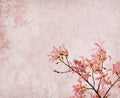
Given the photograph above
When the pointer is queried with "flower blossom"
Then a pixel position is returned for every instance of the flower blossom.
(105, 79)
(79, 90)
(118, 86)
(101, 92)
(81, 67)
(97, 59)
(100, 55)
(93, 96)
(58, 53)
(116, 68)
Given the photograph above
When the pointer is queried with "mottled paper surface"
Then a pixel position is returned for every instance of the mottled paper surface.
(26, 71)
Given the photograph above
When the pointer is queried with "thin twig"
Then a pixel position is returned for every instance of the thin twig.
(61, 72)
(99, 84)
(100, 80)
(93, 78)
(111, 87)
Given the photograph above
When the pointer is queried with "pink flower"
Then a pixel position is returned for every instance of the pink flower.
(96, 67)
(80, 66)
(100, 55)
(118, 86)
(79, 89)
(78, 96)
(58, 53)
(103, 91)
(93, 64)
(116, 68)
(105, 79)
(93, 96)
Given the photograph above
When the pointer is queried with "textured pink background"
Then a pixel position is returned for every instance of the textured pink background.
(75, 23)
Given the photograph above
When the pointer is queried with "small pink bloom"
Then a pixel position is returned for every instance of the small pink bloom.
(58, 52)
(116, 68)
(93, 96)
(100, 55)
(79, 89)
(118, 86)
(80, 65)
(78, 96)
(103, 91)
(105, 79)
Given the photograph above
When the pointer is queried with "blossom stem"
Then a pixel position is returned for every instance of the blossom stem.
(68, 65)
(61, 72)
(100, 80)
(111, 87)
(93, 78)
(99, 85)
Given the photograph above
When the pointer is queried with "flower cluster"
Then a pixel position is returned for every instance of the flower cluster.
(116, 68)
(58, 53)
(94, 76)
(79, 91)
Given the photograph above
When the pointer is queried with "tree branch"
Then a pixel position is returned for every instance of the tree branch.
(68, 65)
